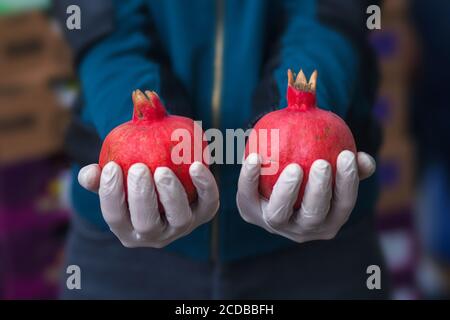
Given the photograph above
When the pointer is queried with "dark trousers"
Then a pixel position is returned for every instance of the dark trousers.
(334, 269)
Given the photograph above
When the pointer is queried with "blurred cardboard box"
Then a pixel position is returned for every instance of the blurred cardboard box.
(394, 9)
(397, 50)
(31, 51)
(396, 167)
(32, 123)
(392, 110)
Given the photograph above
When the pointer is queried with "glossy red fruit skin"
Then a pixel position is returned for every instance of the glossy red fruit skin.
(147, 139)
(306, 134)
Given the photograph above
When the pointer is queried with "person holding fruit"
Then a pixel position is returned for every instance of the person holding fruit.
(223, 231)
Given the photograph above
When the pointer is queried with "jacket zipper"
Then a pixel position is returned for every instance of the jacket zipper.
(216, 106)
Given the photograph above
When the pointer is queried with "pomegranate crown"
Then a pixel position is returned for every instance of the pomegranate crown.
(301, 94)
(147, 106)
(300, 82)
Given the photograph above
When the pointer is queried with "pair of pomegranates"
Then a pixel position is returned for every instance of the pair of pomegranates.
(306, 133)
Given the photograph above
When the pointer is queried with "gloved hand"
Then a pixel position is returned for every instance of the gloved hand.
(323, 211)
(141, 224)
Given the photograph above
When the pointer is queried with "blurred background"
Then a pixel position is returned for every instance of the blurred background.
(38, 89)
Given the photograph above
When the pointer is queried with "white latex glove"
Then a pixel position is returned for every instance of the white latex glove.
(323, 211)
(141, 224)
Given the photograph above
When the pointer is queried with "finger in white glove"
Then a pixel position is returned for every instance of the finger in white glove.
(345, 190)
(142, 201)
(174, 200)
(366, 165)
(279, 207)
(112, 200)
(89, 177)
(316, 200)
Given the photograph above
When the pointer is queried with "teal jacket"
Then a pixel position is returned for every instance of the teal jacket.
(238, 51)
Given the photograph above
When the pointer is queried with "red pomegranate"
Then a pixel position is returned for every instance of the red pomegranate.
(147, 139)
(306, 133)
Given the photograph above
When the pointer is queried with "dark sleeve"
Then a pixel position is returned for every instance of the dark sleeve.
(330, 36)
(115, 51)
